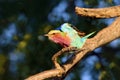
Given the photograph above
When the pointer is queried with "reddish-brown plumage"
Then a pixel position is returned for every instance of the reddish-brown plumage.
(61, 39)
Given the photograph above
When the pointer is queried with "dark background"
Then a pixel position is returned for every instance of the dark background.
(24, 50)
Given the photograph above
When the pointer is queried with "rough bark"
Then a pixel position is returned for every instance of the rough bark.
(99, 12)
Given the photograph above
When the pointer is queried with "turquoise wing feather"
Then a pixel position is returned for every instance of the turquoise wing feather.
(66, 27)
(76, 40)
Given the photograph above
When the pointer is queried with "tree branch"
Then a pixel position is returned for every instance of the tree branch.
(99, 12)
(103, 37)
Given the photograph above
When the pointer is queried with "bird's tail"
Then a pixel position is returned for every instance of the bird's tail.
(89, 34)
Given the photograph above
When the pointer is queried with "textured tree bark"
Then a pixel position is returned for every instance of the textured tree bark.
(99, 12)
(104, 36)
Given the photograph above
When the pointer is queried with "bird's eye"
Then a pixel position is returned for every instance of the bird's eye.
(53, 34)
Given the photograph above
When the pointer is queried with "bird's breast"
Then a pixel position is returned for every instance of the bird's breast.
(62, 40)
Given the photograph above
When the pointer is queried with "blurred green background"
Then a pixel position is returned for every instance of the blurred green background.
(24, 50)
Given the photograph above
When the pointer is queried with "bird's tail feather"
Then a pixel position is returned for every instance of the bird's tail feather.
(89, 34)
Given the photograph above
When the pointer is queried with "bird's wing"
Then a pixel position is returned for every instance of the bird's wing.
(80, 33)
(66, 27)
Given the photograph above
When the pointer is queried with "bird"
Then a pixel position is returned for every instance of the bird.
(67, 36)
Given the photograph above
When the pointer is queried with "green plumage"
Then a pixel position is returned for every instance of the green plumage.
(76, 40)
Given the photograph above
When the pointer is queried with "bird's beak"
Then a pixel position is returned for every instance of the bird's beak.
(46, 35)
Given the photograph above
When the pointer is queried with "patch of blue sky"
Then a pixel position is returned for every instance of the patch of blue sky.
(98, 50)
(15, 58)
(59, 12)
(70, 76)
(88, 66)
(102, 4)
(117, 2)
(79, 3)
(109, 21)
(86, 76)
(8, 33)
(115, 43)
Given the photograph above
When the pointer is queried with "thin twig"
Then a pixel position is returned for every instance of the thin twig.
(56, 55)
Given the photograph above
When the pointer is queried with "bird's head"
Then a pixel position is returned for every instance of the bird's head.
(53, 33)
(58, 37)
